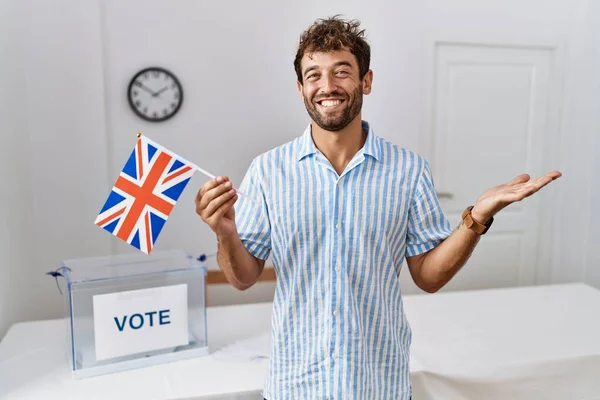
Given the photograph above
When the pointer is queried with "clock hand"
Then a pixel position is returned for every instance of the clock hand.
(147, 89)
(160, 91)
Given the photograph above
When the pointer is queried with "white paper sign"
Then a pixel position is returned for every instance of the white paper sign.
(140, 320)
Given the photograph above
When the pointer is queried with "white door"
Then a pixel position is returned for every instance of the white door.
(488, 122)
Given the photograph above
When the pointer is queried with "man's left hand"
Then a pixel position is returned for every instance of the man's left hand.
(495, 199)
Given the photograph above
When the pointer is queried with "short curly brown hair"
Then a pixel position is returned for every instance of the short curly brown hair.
(333, 34)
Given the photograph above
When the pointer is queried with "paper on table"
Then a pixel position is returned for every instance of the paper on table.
(250, 349)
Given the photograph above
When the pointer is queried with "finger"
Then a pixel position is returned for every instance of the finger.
(519, 179)
(549, 177)
(554, 175)
(206, 187)
(213, 193)
(218, 202)
(211, 184)
(523, 190)
(542, 181)
(225, 208)
(532, 187)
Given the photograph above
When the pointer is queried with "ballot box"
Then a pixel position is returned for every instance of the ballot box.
(135, 310)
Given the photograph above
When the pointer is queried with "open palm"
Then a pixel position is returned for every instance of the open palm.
(495, 199)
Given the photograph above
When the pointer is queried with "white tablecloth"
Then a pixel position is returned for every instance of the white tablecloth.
(520, 343)
(33, 365)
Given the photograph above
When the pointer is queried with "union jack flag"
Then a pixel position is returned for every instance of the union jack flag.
(144, 194)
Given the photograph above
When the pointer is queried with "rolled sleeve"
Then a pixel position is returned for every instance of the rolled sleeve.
(427, 224)
(251, 214)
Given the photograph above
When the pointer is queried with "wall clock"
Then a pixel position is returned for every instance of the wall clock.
(155, 94)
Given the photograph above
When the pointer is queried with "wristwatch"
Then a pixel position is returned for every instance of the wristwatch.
(473, 225)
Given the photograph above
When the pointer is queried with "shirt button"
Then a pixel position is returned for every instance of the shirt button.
(337, 268)
(337, 226)
(335, 356)
(335, 313)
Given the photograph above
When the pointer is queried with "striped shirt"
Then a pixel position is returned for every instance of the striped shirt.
(338, 243)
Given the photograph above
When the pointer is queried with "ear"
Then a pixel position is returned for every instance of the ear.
(368, 82)
(300, 87)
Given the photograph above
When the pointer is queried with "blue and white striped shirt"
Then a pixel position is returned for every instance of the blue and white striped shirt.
(338, 243)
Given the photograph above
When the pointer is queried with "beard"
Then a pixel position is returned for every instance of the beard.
(337, 121)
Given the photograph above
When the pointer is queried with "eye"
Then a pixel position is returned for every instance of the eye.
(312, 76)
(342, 72)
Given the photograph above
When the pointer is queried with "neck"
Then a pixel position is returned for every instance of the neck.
(341, 146)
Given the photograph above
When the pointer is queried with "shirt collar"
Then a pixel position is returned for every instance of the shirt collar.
(371, 147)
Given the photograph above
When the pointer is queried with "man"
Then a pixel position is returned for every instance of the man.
(339, 209)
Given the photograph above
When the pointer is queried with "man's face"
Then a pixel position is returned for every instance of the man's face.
(332, 90)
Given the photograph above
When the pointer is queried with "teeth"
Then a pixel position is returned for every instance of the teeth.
(330, 103)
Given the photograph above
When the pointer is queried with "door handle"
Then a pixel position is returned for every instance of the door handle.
(444, 195)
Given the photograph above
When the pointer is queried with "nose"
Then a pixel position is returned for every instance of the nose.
(327, 84)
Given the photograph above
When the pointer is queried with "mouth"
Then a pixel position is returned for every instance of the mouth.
(330, 104)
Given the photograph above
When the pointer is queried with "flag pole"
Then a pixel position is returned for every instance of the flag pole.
(211, 176)
(178, 156)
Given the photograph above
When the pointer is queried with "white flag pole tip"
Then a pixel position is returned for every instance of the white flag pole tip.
(211, 176)
(205, 172)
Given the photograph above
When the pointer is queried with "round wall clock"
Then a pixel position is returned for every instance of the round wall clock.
(155, 94)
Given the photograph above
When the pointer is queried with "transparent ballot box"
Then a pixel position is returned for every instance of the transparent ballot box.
(135, 310)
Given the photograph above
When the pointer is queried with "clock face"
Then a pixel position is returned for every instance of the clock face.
(155, 94)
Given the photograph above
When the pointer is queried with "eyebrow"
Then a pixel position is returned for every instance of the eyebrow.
(337, 64)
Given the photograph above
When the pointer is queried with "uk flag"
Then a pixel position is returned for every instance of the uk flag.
(144, 194)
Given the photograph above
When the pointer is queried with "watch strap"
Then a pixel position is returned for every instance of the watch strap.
(474, 225)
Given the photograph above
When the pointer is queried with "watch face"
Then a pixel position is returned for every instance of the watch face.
(155, 94)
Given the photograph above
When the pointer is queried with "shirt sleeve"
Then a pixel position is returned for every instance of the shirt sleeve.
(251, 214)
(427, 224)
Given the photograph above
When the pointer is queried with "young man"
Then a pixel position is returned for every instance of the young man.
(340, 209)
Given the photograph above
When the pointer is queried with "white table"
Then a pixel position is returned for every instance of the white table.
(33, 364)
(519, 343)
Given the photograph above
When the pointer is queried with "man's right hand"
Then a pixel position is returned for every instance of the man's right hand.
(214, 204)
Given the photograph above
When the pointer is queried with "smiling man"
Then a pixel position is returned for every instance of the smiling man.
(339, 209)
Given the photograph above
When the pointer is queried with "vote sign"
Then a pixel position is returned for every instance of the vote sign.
(138, 321)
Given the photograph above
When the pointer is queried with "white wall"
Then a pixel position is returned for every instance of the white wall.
(593, 232)
(241, 88)
(15, 198)
(55, 139)
(69, 127)
(578, 160)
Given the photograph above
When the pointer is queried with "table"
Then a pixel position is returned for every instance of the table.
(520, 343)
(33, 364)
